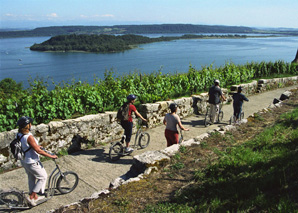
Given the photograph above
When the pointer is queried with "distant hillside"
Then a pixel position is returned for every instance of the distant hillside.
(126, 29)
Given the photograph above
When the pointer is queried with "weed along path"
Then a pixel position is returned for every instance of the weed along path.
(96, 171)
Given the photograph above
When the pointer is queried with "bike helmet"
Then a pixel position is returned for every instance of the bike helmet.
(24, 121)
(131, 97)
(216, 81)
(173, 106)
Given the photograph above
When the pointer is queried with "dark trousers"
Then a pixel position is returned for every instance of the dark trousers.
(237, 110)
(127, 126)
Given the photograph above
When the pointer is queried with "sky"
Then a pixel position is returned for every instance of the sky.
(250, 13)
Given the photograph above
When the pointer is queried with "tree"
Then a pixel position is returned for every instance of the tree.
(9, 86)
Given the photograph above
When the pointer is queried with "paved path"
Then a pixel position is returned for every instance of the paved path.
(96, 171)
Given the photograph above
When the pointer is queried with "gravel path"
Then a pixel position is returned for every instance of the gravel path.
(96, 171)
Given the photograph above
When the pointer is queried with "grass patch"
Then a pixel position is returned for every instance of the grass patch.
(258, 175)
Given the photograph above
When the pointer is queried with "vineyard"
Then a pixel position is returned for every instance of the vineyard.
(68, 100)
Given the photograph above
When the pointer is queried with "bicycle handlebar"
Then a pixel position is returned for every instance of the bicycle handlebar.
(47, 151)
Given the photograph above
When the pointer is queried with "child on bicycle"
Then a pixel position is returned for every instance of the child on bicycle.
(238, 102)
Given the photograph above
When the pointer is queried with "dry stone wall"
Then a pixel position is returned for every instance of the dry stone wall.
(75, 134)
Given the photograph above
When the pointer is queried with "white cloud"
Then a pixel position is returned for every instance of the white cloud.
(52, 15)
(108, 15)
(9, 15)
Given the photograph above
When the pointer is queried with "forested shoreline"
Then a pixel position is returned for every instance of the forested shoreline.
(109, 43)
(141, 29)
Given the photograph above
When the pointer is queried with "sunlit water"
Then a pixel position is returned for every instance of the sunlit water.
(19, 63)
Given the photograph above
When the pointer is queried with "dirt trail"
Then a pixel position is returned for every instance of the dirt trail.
(96, 171)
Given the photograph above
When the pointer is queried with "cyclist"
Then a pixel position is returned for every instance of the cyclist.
(128, 124)
(215, 94)
(238, 102)
(37, 175)
(171, 121)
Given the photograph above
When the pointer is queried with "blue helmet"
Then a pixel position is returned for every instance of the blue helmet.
(24, 121)
(131, 97)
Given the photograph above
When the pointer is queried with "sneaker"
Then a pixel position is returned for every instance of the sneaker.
(128, 149)
(40, 198)
(32, 202)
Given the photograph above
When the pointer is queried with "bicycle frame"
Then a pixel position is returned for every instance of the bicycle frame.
(181, 137)
(139, 132)
(53, 178)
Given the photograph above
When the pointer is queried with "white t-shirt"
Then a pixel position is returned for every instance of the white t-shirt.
(172, 121)
(30, 156)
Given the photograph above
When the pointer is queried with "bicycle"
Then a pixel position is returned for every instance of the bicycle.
(181, 137)
(64, 182)
(207, 120)
(233, 119)
(142, 139)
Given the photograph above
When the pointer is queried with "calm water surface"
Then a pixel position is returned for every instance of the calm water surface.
(19, 63)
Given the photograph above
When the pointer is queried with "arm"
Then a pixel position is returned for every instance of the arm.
(139, 115)
(245, 98)
(221, 94)
(38, 149)
(164, 121)
(223, 97)
(182, 127)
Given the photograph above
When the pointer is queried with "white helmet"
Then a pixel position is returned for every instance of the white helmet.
(216, 81)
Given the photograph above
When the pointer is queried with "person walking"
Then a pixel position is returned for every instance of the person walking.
(171, 120)
(215, 94)
(36, 173)
(127, 125)
(238, 99)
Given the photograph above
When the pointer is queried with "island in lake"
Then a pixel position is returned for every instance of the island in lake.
(108, 43)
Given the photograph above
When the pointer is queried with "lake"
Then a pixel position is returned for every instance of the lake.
(18, 62)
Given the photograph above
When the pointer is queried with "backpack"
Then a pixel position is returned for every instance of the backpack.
(122, 113)
(16, 148)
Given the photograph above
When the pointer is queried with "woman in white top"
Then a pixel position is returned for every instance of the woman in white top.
(37, 175)
(171, 121)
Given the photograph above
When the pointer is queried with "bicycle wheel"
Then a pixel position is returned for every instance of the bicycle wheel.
(220, 116)
(242, 115)
(68, 182)
(206, 123)
(232, 120)
(144, 140)
(12, 198)
(115, 151)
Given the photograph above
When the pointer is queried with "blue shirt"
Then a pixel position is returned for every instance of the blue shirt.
(238, 99)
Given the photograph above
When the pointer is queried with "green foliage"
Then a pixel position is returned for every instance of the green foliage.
(9, 87)
(108, 94)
